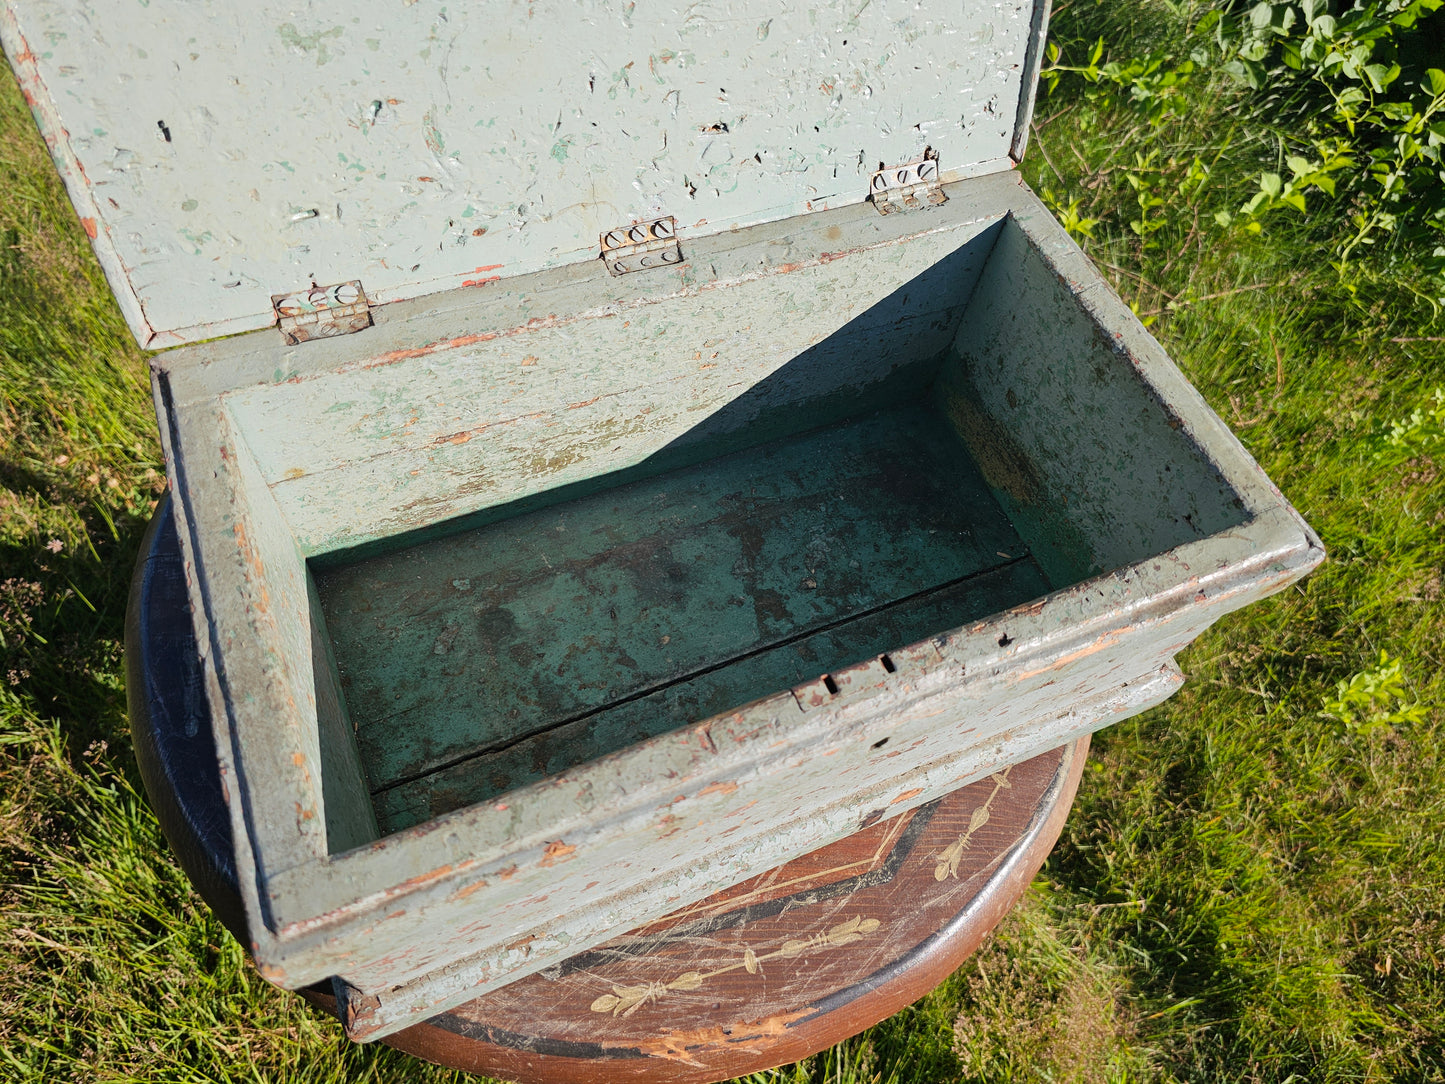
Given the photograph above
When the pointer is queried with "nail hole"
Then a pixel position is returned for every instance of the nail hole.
(830, 684)
(880, 743)
(888, 664)
(1005, 640)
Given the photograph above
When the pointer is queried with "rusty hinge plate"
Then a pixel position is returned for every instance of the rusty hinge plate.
(321, 312)
(907, 187)
(641, 247)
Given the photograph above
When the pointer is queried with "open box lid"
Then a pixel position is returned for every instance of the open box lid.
(219, 155)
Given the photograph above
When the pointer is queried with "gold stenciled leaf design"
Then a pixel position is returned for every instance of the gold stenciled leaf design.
(626, 1000)
(846, 932)
(842, 934)
(947, 861)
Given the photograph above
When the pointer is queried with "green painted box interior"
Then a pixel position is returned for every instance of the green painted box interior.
(508, 652)
(802, 525)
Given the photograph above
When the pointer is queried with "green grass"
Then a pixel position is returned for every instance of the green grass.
(1251, 885)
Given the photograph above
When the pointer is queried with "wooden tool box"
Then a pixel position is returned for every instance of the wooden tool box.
(618, 448)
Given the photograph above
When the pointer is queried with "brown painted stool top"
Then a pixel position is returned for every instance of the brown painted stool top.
(782, 965)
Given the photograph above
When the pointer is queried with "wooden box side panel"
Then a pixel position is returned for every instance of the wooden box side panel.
(301, 654)
(345, 795)
(302, 790)
(1094, 471)
(942, 742)
(487, 419)
(248, 600)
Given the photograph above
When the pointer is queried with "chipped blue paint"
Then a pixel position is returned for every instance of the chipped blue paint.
(557, 397)
(635, 92)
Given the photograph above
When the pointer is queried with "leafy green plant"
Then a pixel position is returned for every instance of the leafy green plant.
(1079, 226)
(1374, 699)
(1305, 174)
(1393, 127)
(1151, 82)
(1143, 178)
(1422, 431)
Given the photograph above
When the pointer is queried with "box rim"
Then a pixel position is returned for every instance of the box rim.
(1277, 544)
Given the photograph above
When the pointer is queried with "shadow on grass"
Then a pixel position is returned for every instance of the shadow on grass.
(62, 616)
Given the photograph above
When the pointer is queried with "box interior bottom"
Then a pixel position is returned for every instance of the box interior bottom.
(493, 657)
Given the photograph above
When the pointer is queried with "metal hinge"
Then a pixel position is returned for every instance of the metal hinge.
(641, 247)
(321, 312)
(907, 187)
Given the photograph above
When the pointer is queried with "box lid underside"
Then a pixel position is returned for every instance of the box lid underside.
(219, 154)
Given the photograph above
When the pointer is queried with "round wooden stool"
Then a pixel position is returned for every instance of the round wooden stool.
(763, 973)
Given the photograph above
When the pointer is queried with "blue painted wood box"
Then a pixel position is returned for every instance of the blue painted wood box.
(618, 448)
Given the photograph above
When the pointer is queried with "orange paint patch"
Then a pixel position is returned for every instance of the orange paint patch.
(460, 341)
(466, 890)
(483, 271)
(90, 230)
(753, 1038)
(722, 787)
(508, 873)
(907, 794)
(426, 878)
(557, 851)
